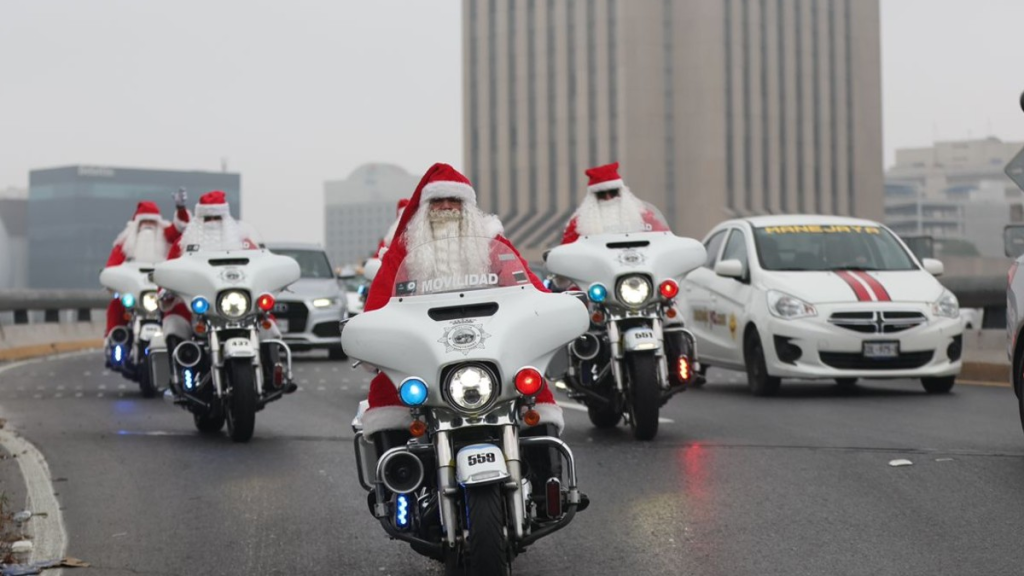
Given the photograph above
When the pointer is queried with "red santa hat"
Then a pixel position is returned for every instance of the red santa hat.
(604, 178)
(213, 203)
(401, 206)
(443, 181)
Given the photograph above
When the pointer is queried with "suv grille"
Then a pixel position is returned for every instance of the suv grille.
(295, 312)
(877, 322)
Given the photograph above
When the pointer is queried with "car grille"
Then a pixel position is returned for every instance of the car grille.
(327, 329)
(295, 312)
(888, 322)
(857, 361)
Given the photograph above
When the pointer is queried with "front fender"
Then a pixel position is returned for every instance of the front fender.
(479, 464)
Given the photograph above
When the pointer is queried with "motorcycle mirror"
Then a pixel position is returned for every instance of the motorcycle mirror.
(548, 251)
(1022, 101)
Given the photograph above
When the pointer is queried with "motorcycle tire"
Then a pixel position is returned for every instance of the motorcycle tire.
(146, 385)
(211, 422)
(242, 402)
(642, 369)
(487, 551)
(603, 415)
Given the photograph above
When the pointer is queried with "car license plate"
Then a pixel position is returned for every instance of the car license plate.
(881, 349)
(282, 324)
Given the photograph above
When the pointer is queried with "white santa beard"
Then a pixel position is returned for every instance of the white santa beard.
(213, 236)
(452, 248)
(616, 216)
(145, 245)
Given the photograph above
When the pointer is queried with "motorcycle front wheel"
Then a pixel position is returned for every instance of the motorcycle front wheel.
(242, 403)
(486, 546)
(645, 394)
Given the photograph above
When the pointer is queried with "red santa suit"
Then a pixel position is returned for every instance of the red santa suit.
(386, 411)
(201, 235)
(624, 214)
(146, 238)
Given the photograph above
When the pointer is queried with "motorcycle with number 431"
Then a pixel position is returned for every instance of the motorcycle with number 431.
(127, 348)
(468, 485)
(227, 371)
(636, 354)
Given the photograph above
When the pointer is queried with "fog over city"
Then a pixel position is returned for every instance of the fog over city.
(293, 94)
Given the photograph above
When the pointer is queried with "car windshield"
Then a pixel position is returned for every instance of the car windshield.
(312, 263)
(459, 265)
(807, 247)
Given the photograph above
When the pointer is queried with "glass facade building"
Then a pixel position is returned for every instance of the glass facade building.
(75, 213)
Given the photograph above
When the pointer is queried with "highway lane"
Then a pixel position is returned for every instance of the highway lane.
(798, 484)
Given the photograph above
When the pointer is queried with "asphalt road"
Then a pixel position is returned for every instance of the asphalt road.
(733, 485)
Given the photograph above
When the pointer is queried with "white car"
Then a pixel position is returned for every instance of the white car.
(821, 297)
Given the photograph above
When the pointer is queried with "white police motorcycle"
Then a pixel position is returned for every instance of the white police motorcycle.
(226, 371)
(127, 346)
(465, 485)
(636, 354)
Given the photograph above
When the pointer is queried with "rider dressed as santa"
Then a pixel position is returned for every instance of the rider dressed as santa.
(442, 207)
(211, 229)
(146, 238)
(610, 208)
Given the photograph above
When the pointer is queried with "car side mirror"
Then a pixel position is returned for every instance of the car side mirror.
(1013, 240)
(729, 269)
(933, 266)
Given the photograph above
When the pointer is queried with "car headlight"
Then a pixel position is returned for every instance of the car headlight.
(324, 302)
(634, 290)
(233, 303)
(789, 307)
(150, 302)
(947, 306)
(471, 387)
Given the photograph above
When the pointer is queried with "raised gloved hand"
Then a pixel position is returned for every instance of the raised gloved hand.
(180, 197)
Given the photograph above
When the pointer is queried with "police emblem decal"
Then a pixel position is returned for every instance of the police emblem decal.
(463, 338)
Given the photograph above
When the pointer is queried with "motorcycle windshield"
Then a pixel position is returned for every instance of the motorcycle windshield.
(459, 264)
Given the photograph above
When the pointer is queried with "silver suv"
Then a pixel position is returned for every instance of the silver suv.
(310, 311)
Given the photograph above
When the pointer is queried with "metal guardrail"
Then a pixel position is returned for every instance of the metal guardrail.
(52, 302)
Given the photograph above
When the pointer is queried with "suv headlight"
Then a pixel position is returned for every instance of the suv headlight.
(233, 303)
(947, 306)
(634, 290)
(324, 302)
(783, 305)
(150, 303)
(471, 387)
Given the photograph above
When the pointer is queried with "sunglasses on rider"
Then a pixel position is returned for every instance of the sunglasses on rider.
(607, 194)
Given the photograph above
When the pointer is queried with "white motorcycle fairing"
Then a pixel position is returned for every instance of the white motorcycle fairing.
(207, 274)
(527, 329)
(129, 278)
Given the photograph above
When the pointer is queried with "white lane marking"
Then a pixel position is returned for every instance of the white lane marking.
(582, 408)
(320, 388)
(58, 395)
(152, 433)
(103, 386)
(37, 396)
(78, 394)
(86, 373)
(61, 387)
(100, 395)
(47, 524)
(344, 387)
(122, 386)
(345, 380)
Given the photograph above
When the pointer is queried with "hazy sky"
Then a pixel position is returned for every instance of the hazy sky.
(295, 93)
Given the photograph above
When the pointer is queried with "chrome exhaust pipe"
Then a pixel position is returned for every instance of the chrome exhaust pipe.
(400, 471)
(188, 354)
(586, 347)
(119, 335)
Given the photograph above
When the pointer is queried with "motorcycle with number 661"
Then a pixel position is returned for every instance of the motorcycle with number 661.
(637, 354)
(128, 345)
(471, 487)
(226, 370)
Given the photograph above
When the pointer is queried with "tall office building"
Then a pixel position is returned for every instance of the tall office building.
(359, 209)
(715, 108)
(13, 239)
(76, 212)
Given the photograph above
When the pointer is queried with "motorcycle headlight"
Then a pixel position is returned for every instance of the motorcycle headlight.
(789, 307)
(471, 387)
(324, 302)
(233, 303)
(150, 303)
(634, 290)
(947, 306)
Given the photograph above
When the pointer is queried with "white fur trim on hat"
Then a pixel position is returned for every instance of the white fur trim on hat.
(448, 189)
(204, 210)
(386, 418)
(551, 413)
(609, 185)
(493, 226)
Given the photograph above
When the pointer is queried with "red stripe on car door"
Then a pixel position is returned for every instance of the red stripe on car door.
(856, 286)
(876, 286)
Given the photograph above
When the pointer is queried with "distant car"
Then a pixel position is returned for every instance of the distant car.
(1013, 238)
(310, 311)
(973, 318)
(821, 297)
(356, 287)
